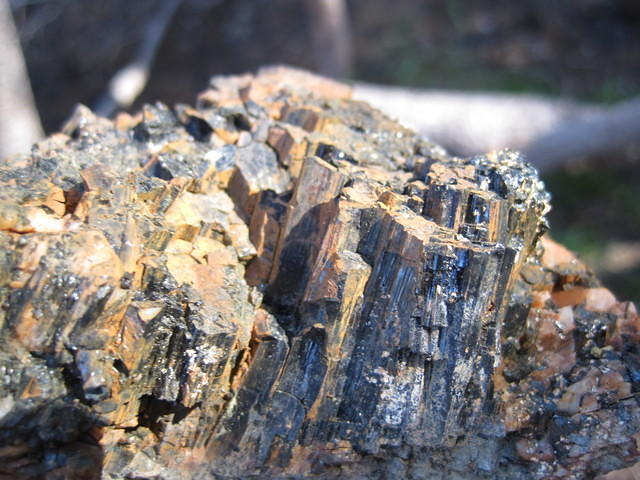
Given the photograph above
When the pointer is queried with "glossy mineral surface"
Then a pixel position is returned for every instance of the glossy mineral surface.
(281, 282)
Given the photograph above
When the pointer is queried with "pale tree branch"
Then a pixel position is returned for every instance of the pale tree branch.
(609, 131)
(19, 120)
(129, 82)
(331, 37)
(549, 131)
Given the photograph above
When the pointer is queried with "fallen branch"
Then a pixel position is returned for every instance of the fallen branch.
(549, 131)
(610, 130)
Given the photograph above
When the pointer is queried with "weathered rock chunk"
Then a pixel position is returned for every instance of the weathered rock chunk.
(283, 282)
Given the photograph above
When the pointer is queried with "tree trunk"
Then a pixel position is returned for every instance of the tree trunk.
(19, 121)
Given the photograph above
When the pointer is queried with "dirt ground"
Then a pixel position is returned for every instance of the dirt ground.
(585, 49)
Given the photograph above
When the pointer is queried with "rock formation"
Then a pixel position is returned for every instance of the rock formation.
(283, 283)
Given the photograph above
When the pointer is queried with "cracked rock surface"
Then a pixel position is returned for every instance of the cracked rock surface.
(281, 282)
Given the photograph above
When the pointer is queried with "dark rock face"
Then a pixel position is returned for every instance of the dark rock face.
(283, 282)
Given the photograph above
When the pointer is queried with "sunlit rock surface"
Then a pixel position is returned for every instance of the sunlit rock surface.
(280, 283)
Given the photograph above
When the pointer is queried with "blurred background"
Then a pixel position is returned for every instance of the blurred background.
(557, 80)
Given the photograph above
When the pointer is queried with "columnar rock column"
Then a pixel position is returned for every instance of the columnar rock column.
(283, 282)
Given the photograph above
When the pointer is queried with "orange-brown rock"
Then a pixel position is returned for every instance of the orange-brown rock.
(284, 283)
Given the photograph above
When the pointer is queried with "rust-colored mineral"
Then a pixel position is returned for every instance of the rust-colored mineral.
(281, 282)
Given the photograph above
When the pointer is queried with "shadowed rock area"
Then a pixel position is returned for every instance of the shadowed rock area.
(281, 282)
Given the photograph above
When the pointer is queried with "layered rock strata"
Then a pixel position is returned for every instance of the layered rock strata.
(281, 282)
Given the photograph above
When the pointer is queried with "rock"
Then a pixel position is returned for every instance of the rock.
(282, 283)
